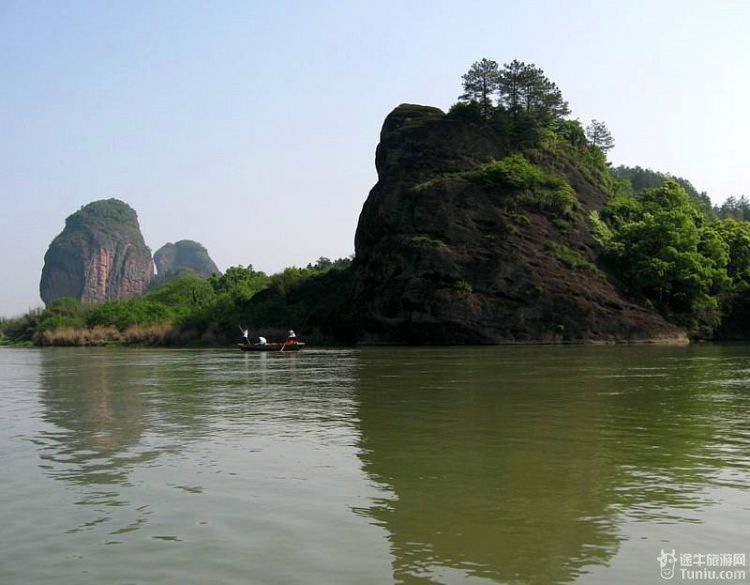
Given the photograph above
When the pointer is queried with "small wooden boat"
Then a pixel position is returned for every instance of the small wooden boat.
(271, 346)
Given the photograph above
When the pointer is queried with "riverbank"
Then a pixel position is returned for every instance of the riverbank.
(191, 311)
(160, 336)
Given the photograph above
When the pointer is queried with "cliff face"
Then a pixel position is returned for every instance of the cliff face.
(442, 257)
(184, 257)
(99, 255)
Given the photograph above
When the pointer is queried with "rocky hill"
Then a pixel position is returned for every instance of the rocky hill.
(453, 248)
(184, 257)
(100, 255)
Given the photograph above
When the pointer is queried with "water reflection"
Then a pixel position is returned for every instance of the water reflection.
(519, 465)
(111, 412)
(515, 465)
(124, 424)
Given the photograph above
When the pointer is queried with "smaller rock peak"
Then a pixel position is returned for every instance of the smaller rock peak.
(184, 257)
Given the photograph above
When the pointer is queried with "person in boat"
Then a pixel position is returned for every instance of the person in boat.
(245, 335)
(262, 340)
(291, 338)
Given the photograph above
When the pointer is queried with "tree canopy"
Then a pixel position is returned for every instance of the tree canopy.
(523, 86)
(634, 180)
(480, 85)
(518, 87)
(663, 248)
(737, 208)
(599, 135)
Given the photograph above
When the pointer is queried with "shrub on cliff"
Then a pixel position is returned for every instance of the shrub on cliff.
(530, 184)
(514, 172)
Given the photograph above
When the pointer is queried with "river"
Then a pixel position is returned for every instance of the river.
(546, 464)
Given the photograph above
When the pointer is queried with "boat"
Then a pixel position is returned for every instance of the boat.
(271, 346)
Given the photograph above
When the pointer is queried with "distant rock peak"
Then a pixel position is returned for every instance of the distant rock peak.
(184, 257)
(100, 255)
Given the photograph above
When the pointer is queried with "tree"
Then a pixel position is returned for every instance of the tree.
(737, 208)
(636, 179)
(661, 250)
(523, 87)
(600, 136)
(512, 78)
(736, 234)
(242, 283)
(480, 84)
(572, 131)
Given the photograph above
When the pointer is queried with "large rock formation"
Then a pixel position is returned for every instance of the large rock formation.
(184, 257)
(442, 257)
(99, 255)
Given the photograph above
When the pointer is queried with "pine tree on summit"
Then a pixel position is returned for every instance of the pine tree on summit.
(480, 85)
(520, 88)
(524, 87)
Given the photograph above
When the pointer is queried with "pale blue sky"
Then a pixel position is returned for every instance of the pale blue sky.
(251, 127)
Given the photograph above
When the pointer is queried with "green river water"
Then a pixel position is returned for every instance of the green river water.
(395, 465)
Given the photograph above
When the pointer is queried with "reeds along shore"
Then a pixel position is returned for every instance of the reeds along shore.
(153, 335)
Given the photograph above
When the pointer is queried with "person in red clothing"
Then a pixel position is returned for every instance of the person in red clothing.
(291, 338)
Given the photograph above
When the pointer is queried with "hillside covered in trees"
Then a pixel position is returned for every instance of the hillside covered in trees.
(499, 221)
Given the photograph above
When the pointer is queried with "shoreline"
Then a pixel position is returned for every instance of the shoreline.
(657, 342)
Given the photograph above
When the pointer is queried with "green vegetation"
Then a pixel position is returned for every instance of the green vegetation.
(19, 330)
(420, 241)
(563, 225)
(316, 300)
(634, 180)
(514, 172)
(527, 111)
(111, 210)
(600, 136)
(183, 257)
(530, 184)
(571, 258)
(480, 83)
(664, 248)
(523, 106)
(463, 288)
(520, 219)
(734, 208)
(97, 216)
(660, 237)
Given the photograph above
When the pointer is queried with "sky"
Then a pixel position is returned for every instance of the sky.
(251, 127)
